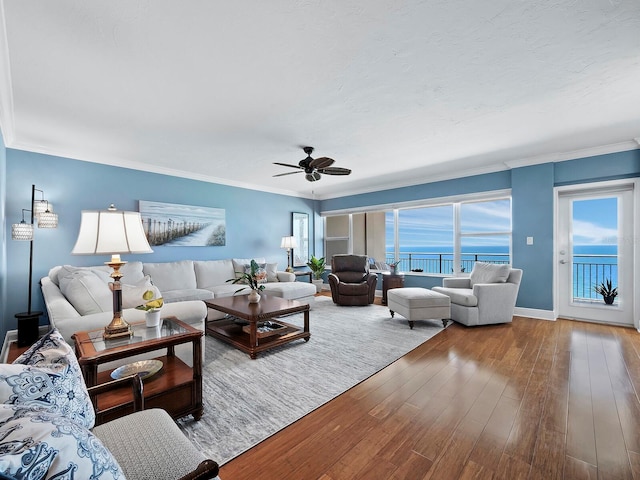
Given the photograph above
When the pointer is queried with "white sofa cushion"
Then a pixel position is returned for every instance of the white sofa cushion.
(131, 272)
(85, 290)
(187, 294)
(210, 273)
(489, 273)
(240, 263)
(172, 275)
(272, 272)
(459, 296)
(132, 294)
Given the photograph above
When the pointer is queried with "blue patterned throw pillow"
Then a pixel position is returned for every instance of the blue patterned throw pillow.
(48, 377)
(36, 444)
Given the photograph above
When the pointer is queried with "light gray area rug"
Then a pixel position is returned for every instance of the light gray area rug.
(246, 401)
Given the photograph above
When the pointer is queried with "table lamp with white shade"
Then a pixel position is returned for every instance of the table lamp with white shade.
(112, 232)
(289, 243)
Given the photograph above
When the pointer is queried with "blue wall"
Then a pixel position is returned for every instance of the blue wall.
(532, 211)
(3, 234)
(255, 221)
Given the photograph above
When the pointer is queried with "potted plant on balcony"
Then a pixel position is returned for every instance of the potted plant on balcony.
(253, 278)
(607, 291)
(317, 266)
(152, 307)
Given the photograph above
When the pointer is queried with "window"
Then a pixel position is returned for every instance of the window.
(449, 238)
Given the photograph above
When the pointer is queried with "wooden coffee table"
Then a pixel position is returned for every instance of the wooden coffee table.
(176, 388)
(244, 325)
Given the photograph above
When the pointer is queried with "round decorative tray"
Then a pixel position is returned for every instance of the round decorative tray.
(144, 368)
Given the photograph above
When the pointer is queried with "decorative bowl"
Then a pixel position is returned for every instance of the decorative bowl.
(145, 368)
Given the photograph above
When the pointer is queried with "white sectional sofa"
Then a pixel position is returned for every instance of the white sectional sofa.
(78, 298)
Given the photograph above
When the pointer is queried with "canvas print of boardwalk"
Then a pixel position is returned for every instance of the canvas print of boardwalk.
(174, 225)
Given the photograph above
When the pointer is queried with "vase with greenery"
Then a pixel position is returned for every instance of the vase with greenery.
(317, 266)
(152, 307)
(393, 266)
(608, 292)
(252, 279)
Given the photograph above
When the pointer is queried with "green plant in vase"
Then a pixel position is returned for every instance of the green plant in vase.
(253, 279)
(608, 292)
(317, 266)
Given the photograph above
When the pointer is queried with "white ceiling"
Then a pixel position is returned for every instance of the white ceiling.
(401, 92)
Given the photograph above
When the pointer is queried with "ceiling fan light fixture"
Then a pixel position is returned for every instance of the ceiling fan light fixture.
(312, 177)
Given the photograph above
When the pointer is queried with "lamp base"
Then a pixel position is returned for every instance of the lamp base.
(289, 269)
(118, 328)
(28, 327)
(117, 333)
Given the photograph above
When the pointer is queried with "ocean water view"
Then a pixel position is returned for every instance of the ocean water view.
(592, 264)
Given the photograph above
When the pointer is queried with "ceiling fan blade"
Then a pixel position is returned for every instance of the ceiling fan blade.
(288, 173)
(287, 165)
(335, 171)
(321, 162)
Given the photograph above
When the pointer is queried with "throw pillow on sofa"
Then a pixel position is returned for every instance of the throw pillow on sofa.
(47, 376)
(37, 444)
(272, 272)
(132, 294)
(85, 290)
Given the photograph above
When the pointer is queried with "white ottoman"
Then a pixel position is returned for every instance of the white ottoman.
(419, 304)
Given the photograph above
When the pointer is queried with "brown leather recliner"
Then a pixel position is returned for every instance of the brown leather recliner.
(350, 280)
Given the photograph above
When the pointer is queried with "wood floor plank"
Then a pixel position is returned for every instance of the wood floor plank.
(532, 399)
(581, 441)
(575, 469)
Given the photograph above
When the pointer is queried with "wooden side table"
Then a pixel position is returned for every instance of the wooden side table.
(304, 273)
(176, 388)
(389, 281)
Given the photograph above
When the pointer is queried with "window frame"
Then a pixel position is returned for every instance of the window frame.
(457, 201)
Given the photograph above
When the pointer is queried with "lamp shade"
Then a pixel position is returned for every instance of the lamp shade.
(106, 232)
(41, 206)
(47, 219)
(288, 242)
(22, 231)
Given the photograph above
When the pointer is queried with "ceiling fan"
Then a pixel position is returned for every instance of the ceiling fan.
(313, 167)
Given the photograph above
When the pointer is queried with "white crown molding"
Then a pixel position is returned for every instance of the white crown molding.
(6, 89)
(637, 140)
(415, 180)
(144, 167)
(574, 154)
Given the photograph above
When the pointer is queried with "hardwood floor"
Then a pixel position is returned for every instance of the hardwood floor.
(529, 400)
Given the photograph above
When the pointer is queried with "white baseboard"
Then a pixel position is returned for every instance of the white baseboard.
(535, 313)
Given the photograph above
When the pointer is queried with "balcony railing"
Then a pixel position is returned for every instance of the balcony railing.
(587, 273)
(443, 262)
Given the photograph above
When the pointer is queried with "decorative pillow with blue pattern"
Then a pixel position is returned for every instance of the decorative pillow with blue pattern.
(36, 444)
(48, 376)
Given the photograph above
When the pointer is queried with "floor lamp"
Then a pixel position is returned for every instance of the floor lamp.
(41, 211)
(112, 232)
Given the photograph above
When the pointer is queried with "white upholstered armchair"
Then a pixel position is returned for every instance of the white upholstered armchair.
(487, 296)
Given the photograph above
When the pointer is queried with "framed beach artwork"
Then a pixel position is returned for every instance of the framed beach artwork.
(175, 225)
